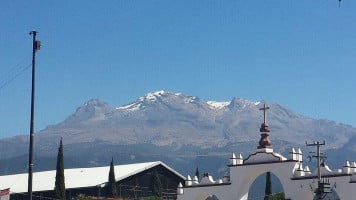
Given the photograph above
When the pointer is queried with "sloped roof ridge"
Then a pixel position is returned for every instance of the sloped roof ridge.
(77, 177)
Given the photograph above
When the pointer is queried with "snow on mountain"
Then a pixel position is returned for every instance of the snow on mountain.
(130, 107)
(168, 97)
(153, 96)
(158, 97)
(217, 105)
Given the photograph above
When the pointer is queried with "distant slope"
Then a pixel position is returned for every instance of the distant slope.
(346, 152)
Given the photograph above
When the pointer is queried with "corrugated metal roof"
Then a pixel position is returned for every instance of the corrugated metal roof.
(75, 178)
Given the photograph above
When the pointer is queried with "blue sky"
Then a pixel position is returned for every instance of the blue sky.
(300, 54)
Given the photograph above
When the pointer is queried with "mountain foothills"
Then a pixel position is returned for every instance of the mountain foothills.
(183, 131)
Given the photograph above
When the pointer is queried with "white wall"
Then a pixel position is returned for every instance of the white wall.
(242, 177)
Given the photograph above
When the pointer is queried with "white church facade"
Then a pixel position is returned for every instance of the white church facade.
(298, 182)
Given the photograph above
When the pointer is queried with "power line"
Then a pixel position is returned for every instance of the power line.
(11, 77)
(14, 72)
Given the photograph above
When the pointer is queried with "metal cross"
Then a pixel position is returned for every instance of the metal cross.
(265, 108)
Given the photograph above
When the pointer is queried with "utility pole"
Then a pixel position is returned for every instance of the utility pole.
(323, 184)
(35, 46)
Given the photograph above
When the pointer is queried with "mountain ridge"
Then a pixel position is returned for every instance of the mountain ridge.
(160, 108)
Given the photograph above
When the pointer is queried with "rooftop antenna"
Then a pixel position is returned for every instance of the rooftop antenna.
(35, 46)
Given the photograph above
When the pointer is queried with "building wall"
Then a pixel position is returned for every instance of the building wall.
(139, 184)
(242, 176)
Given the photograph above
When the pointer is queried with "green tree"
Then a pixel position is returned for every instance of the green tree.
(156, 185)
(278, 196)
(197, 173)
(60, 188)
(268, 188)
(153, 198)
(111, 187)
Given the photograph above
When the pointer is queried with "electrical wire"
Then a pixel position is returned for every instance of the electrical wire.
(11, 78)
(13, 73)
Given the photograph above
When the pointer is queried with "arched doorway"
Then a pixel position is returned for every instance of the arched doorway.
(212, 197)
(258, 187)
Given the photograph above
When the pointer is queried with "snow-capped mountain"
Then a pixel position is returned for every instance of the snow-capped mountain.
(163, 119)
(167, 118)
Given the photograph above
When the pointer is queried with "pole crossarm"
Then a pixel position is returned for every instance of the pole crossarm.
(323, 184)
